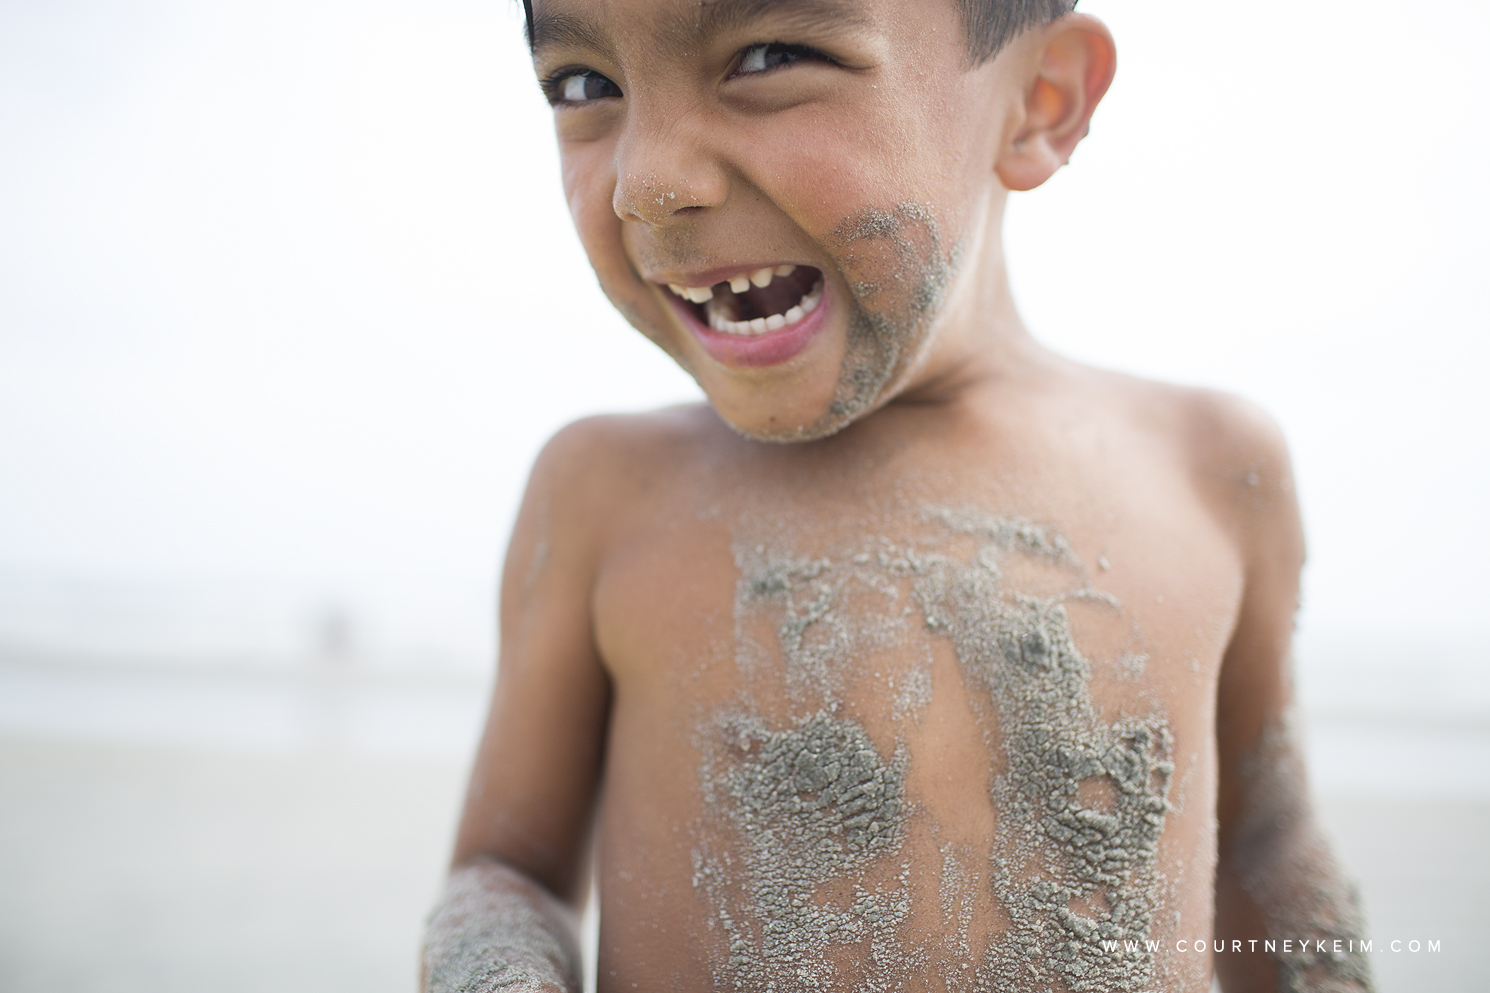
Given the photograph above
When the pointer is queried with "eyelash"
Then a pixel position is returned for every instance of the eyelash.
(794, 53)
(557, 82)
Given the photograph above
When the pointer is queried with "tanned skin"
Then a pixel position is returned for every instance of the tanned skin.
(617, 623)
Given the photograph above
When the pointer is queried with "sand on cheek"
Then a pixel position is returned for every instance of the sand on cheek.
(897, 271)
(805, 850)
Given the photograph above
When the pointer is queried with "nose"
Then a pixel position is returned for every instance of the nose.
(665, 170)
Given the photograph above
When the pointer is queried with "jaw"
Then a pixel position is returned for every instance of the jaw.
(780, 413)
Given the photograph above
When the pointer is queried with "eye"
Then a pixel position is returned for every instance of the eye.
(572, 86)
(760, 58)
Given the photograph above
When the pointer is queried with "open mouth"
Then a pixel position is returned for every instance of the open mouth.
(756, 303)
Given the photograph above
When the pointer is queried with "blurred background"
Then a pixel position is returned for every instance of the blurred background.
(289, 300)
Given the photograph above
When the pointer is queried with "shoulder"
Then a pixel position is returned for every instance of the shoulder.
(593, 470)
(1239, 462)
(1232, 452)
(1206, 423)
(615, 447)
(588, 487)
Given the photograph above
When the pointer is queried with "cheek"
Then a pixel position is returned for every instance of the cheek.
(893, 258)
(589, 188)
(872, 194)
(827, 176)
(877, 216)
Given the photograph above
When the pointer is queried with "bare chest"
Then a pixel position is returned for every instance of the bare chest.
(899, 717)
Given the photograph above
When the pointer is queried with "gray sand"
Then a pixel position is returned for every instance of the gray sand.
(884, 254)
(815, 808)
(1288, 870)
(497, 932)
(311, 872)
(1055, 851)
(812, 803)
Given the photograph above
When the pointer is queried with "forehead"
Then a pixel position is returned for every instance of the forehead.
(684, 26)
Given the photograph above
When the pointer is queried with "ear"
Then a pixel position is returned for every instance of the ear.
(1073, 64)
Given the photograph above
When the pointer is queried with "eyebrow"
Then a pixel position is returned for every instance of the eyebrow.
(709, 18)
(562, 30)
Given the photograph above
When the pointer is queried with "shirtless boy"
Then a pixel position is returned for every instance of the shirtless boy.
(920, 658)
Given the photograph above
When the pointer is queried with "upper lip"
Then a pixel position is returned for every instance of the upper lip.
(713, 277)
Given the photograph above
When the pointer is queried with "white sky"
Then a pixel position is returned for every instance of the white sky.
(288, 295)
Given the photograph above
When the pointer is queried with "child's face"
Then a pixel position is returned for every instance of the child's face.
(809, 175)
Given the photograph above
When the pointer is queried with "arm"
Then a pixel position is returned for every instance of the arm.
(496, 929)
(506, 920)
(1276, 879)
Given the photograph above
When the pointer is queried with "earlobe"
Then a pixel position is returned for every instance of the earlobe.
(1071, 69)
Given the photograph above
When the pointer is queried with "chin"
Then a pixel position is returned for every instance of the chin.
(875, 364)
(834, 417)
(778, 435)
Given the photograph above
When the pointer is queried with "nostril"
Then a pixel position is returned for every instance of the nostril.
(656, 212)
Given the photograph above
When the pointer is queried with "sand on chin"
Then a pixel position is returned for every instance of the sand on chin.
(898, 274)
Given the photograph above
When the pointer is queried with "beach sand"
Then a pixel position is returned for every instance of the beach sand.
(145, 868)
(168, 868)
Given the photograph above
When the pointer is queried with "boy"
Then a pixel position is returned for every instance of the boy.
(921, 658)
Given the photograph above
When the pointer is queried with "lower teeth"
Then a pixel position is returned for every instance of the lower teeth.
(761, 325)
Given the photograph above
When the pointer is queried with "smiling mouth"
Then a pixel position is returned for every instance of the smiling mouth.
(755, 303)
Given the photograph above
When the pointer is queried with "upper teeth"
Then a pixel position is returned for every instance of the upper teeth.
(761, 325)
(698, 294)
(737, 284)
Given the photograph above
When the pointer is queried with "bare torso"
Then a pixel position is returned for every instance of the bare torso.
(915, 712)
(927, 705)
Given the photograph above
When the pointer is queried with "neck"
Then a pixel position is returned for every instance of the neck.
(979, 335)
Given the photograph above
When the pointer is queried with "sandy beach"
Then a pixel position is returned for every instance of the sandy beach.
(300, 861)
(161, 869)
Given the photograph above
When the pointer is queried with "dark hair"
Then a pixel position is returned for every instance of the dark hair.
(990, 24)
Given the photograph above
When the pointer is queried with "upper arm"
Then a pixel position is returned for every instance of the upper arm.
(1245, 472)
(537, 770)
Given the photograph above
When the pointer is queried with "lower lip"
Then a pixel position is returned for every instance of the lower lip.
(753, 351)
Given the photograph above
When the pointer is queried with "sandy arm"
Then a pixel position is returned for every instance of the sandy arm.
(506, 919)
(1277, 880)
(495, 929)
(1278, 875)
